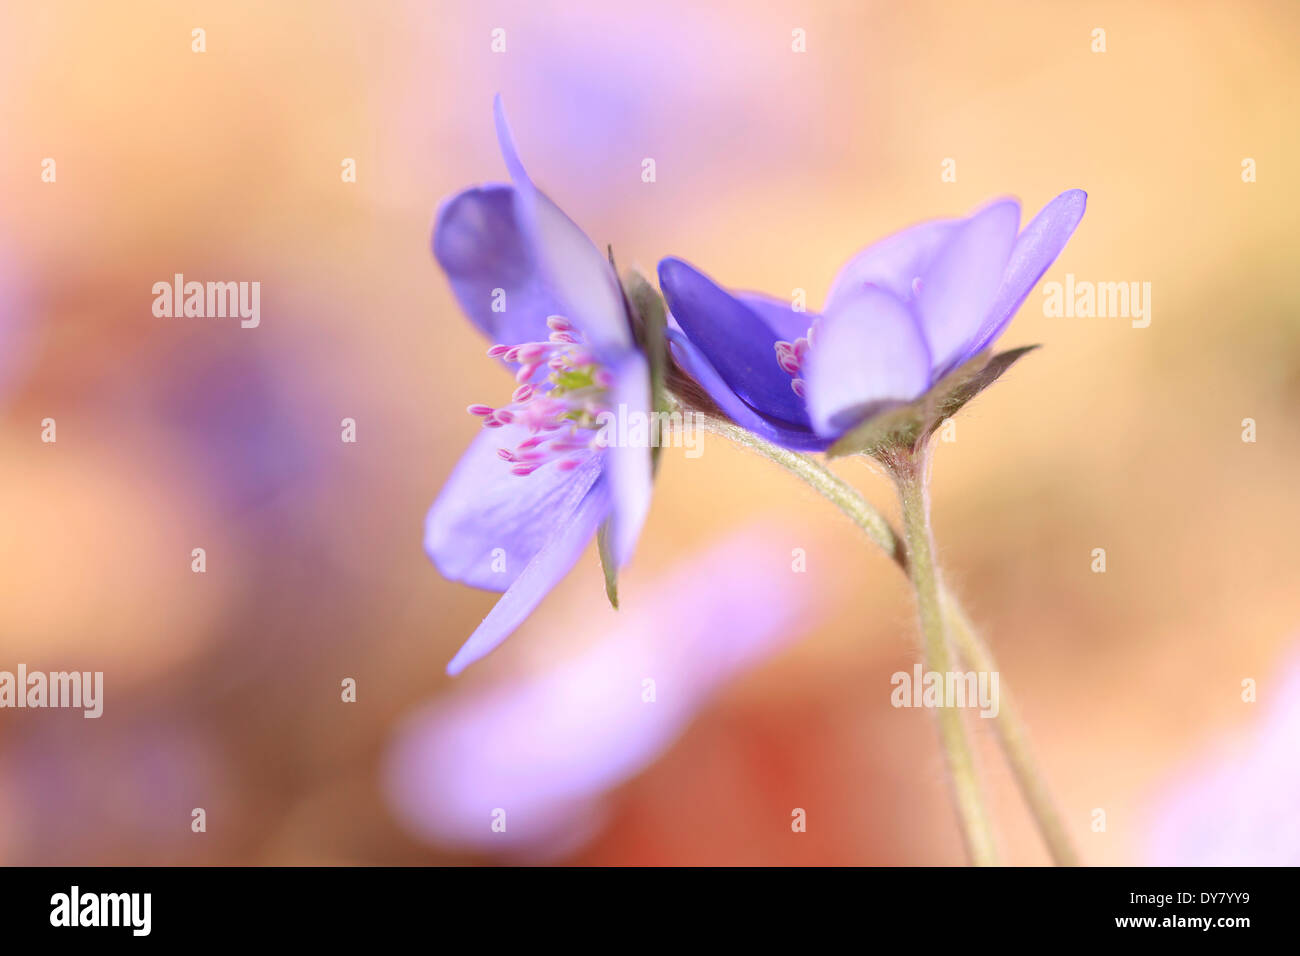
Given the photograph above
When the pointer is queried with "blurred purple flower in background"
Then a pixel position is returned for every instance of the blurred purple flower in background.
(535, 486)
(900, 315)
(546, 747)
(243, 422)
(1237, 806)
(112, 786)
(15, 322)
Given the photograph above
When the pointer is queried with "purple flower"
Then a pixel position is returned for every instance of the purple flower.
(534, 487)
(901, 314)
(547, 747)
(15, 322)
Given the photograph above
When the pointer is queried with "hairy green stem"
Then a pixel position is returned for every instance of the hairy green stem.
(973, 650)
(977, 829)
(1012, 735)
(824, 481)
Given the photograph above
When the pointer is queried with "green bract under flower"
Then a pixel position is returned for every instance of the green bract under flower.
(908, 427)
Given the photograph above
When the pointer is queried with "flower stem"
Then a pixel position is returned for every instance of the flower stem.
(909, 472)
(1012, 736)
(822, 480)
(1010, 730)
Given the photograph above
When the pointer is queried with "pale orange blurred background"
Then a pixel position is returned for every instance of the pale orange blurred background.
(222, 689)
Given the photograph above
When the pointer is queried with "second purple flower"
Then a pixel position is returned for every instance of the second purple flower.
(537, 484)
(901, 315)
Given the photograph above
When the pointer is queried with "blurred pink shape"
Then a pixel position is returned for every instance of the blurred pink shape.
(15, 318)
(545, 748)
(1239, 805)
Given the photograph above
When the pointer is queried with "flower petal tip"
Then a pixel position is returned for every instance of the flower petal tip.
(672, 270)
(1004, 212)
(506, 140)
(1071, 203)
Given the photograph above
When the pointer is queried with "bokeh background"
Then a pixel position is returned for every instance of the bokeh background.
(222, 689)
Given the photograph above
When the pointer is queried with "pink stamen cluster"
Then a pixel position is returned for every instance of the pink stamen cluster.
(791, 356)
(560, 417)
